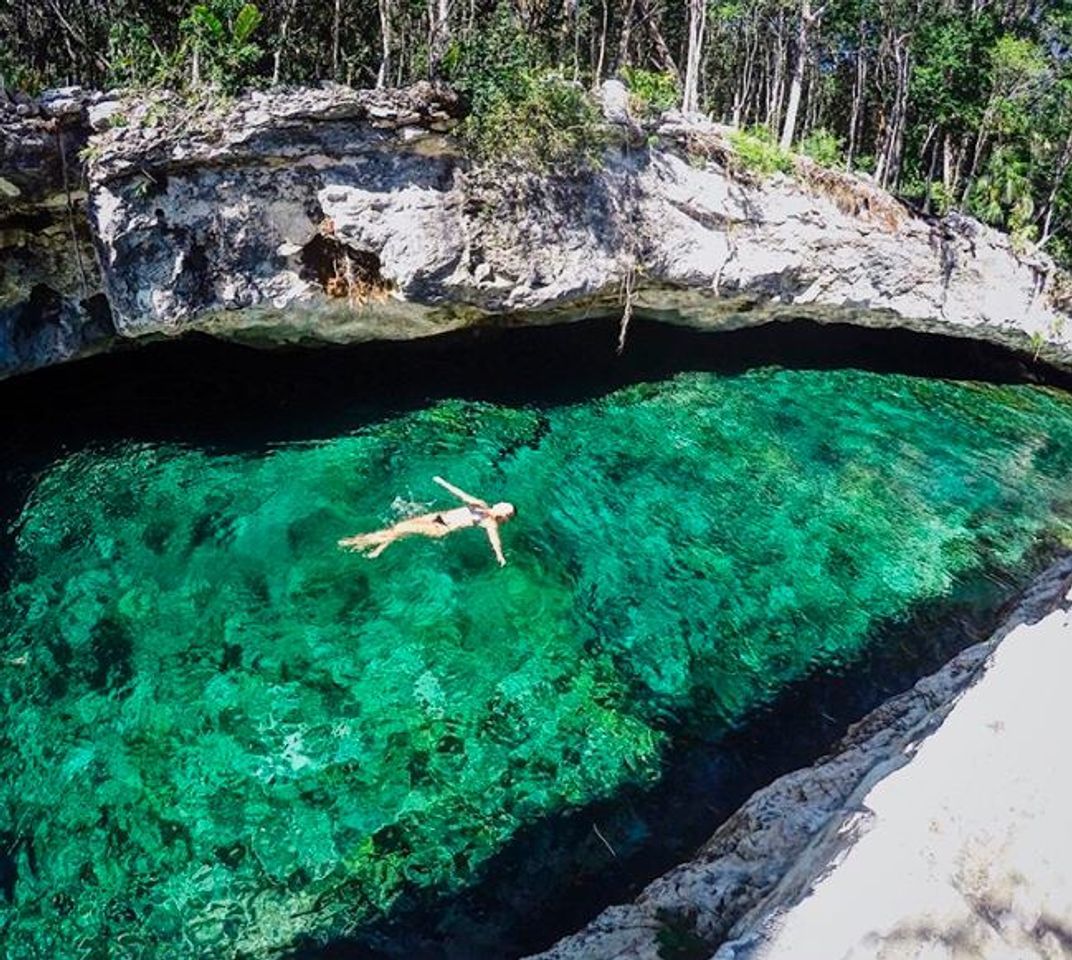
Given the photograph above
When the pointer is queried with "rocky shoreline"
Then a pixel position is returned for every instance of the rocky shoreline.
(768, 855)
(335, 216)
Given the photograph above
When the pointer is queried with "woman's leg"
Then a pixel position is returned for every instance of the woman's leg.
(364, 540)
(425, 526)
(384, 544)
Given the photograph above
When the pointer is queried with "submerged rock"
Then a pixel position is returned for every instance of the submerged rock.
(336, 215)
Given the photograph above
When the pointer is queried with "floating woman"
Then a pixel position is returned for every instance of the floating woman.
(475, 513)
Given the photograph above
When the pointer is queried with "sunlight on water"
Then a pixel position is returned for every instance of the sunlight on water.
(220, 733)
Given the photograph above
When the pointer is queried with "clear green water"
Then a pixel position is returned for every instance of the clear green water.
(221, 734)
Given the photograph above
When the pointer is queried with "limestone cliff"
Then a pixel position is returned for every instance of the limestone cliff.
(337, 215)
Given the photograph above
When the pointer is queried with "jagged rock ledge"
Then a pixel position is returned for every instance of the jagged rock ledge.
(334, 215)
(766, 858)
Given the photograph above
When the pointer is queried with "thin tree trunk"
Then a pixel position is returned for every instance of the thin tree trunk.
(774, 108)
(977, 152)
(576, 41)
(597, 76)
(813, 104)
(931, 170)
(385, 39)
(697, 22)
(284, 26)
(666, 58)
(893, 169)
(438, 34)
(859, 87)
(1058, 179)
(887, 169)
(336, 26)
(744, 90)
(796, 84)
(626, 35)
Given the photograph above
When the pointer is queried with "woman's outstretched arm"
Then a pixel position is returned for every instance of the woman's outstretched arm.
(460, 494)
(492, 529)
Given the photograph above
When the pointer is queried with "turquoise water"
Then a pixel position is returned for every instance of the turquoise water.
(222, 735)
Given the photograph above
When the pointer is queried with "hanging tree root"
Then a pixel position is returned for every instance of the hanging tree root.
(627, 295)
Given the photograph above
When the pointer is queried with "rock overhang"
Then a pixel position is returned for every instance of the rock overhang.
(207, 219)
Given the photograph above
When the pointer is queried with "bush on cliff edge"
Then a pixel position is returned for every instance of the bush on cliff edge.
(520, 108)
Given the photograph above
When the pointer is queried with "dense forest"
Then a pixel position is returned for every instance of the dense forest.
(953, 104)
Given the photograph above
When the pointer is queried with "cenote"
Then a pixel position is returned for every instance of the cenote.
(223, 737)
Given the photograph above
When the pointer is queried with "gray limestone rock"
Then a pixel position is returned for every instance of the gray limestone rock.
(62, 102)
(336, 215)
(51, 303)
(614, 102)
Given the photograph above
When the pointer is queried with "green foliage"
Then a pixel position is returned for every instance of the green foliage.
(949, 58)
(219, 35)
(134, 59)
(1061, 250)
(520, 109)
(16, 75)
(940, 199)
(651, 92)
(1018, 68)
(552, 124)
(823, 146)
(864, 163)
(1002, 195)
(757, 151)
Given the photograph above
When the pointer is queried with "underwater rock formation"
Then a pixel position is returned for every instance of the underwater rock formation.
(334, 215)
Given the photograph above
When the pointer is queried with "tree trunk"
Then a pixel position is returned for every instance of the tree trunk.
(666, 58)
(576, 42)
(813, 103)
(796, 82)
(859, 87)
(1058, 179)
(888, 166)
(977, 153)
(697, 22)
(336, 26)
(438, 34)
(744, 88)
(597, 73)
(781, 56)
(284, 26)
(383, 77)
(931, 170)
(948, 166)
(626, 35)
(893, 170)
